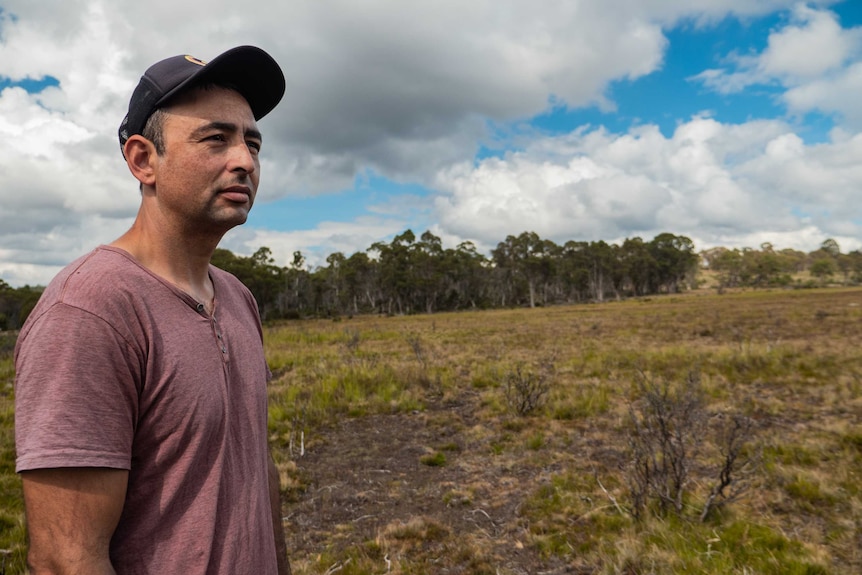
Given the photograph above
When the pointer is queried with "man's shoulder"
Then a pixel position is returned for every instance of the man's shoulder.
(99, 273)
(226, 280)
(232, 292)
(100, 280)
(223, 275)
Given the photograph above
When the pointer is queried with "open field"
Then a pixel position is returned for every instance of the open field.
(503, 441)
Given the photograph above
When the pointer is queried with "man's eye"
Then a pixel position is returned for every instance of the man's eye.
(216, 138)
(254, 145)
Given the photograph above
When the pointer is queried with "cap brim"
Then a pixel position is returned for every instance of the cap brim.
(247, 69)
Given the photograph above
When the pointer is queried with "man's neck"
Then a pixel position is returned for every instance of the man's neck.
(180, 260)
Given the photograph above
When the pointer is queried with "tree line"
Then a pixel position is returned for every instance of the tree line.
(16, 304)
(418, 275)
(768, 266)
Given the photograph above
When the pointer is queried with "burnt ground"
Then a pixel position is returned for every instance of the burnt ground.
(369, 497)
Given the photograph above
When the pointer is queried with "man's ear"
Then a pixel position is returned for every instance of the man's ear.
(140, 157)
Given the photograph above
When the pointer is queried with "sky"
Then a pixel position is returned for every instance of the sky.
(732, 122)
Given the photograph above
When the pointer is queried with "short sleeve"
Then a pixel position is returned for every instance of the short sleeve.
(76, 392)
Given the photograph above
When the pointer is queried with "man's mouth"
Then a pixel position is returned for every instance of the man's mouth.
(237, 194)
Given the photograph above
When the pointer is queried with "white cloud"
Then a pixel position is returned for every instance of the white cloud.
(315, 244)
(815, 45)
(59, 194)
(836, 93)
(816, 61)
(712, 182)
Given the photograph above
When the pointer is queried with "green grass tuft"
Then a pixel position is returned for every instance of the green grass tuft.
(436, 459)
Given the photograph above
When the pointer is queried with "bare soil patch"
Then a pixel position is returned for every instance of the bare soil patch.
(366, 481)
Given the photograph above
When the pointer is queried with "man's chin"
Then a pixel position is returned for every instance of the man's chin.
(227, 219)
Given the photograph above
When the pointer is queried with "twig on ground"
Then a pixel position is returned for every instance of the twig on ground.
(336, 567)
(488, 517)
(608, 494)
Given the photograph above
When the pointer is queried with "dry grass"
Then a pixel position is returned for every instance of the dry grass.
(368, 398)
(12, 534)
(788, 359)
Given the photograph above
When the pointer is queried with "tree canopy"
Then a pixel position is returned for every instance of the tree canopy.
(418, 275)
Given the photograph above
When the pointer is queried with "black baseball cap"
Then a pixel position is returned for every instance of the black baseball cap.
(247, 69)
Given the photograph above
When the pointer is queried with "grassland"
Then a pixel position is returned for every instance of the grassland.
(401, 449)
(12, 530)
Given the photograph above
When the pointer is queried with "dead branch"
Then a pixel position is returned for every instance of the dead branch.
(608, 494)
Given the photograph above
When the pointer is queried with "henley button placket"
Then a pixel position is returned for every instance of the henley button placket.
(220, 338)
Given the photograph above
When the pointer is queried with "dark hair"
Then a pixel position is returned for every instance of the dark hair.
(154, 128)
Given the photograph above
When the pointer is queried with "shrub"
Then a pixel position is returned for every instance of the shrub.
(670, 430)
(526, 390)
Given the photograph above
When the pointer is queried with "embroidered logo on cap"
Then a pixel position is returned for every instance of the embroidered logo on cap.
(197, 61)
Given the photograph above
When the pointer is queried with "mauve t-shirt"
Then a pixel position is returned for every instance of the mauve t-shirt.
(117, 368)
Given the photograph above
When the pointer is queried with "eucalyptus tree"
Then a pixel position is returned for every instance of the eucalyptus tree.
(854, 259)
(508, 276)
(428, 272)
(601, 267)
(528, 262)
(361, 283)
(638, 267)
(468, 276)
(573, 270)
(396, 273)
(729, 265)
(675, 261)
(823, 268)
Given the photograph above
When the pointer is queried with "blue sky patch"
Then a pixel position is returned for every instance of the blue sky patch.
(33, 86)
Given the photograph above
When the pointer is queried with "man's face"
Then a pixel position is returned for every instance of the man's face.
(207, 178)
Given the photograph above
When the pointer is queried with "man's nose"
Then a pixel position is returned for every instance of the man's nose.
(242, 159)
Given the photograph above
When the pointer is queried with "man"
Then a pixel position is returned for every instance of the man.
(141, 416)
